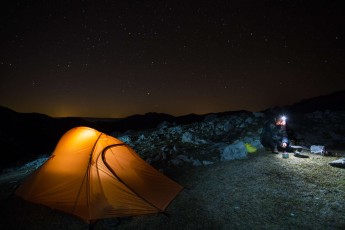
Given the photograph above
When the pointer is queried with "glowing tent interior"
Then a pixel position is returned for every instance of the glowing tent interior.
(94, 176)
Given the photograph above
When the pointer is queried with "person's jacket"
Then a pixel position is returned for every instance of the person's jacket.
(273, 133)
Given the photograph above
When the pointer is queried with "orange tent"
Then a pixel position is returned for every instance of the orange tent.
(95, 176)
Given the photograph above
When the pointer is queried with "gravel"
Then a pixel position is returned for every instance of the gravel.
(263, 191)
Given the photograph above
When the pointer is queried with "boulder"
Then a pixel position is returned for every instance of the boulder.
(236, 150)
(340, 163)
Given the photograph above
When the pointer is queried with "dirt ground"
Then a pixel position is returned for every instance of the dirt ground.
(263, 191)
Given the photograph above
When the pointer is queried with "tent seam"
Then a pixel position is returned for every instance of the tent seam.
(86, 176)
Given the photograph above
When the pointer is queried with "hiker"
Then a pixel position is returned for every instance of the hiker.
(274, 135)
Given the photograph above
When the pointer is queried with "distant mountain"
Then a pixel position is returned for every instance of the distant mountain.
(334, 102)
(26, 135)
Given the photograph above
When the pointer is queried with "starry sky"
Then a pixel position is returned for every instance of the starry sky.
(119, 58)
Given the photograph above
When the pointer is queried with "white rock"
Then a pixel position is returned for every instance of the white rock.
(317, 149)
(176, 162)
(207, 162)
(237, 150)
(196, 163)
(187, 137)
(126, 139)
(183, 158)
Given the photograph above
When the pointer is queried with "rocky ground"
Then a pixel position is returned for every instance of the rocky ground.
(262, 191)
(225, 186)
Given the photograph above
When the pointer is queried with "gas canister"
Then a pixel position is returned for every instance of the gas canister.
(285, 155)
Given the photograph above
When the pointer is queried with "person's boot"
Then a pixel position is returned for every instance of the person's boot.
(275, 150)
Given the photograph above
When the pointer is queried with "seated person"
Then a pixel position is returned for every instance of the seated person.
(274, 135)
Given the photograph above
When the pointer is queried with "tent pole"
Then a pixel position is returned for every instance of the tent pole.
(86, 176)
(112, 171)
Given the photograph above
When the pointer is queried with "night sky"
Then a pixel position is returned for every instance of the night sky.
(119, 58)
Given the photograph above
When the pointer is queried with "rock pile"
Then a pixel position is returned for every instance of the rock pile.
(223, 138)
(217, 138)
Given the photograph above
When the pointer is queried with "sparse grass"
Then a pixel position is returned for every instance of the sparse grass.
(261, 192)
